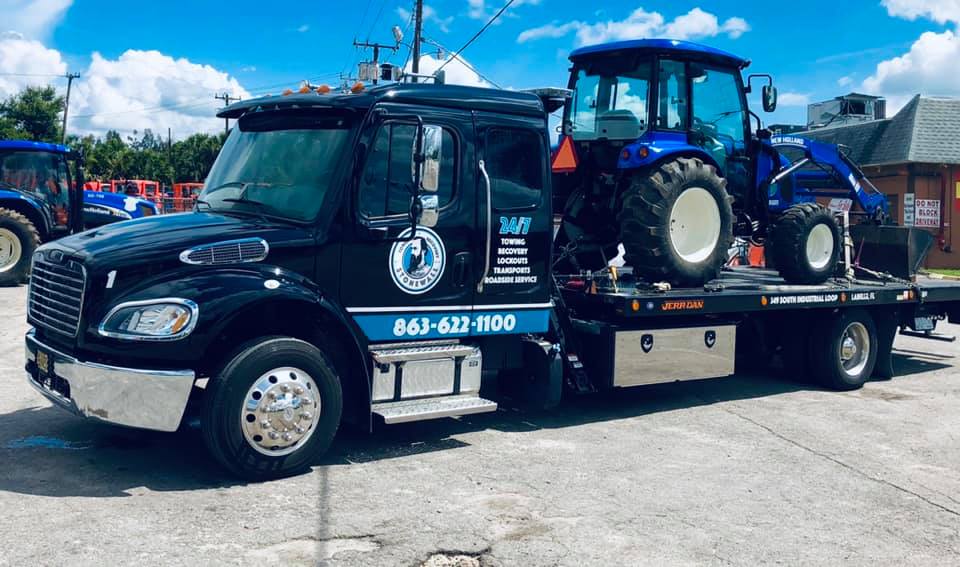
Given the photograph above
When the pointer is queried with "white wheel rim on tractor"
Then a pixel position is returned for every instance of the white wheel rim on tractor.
(819, 246)
(695, 225)
(10, 250)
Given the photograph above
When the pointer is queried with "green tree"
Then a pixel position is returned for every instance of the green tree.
(34, 114)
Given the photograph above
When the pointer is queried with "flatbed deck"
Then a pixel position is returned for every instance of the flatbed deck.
(743, 290)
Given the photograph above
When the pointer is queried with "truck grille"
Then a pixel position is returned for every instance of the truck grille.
(227, 252)
(56, 295)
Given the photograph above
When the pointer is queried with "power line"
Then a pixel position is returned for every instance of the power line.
(476, 35)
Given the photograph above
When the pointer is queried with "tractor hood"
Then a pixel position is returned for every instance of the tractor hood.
(154, 244)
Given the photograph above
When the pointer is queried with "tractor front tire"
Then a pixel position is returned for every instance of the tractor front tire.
(805, 244)
(19, 239)
(676, 224)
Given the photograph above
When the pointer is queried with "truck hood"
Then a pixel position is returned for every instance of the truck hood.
(156, 242)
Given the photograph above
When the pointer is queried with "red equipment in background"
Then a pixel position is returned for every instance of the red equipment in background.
(184, 197)
(146, 189)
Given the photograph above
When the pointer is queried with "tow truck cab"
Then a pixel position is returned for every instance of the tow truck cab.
(371, 253)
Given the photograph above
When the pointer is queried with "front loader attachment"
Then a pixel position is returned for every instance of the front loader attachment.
(895, 250)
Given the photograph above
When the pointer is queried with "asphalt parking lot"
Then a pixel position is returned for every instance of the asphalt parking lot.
(744, 470)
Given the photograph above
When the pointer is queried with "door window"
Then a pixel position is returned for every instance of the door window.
(515, 165)
(718, 113)
(673, 95)
(386, 186)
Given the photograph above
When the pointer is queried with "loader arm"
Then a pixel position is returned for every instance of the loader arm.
(835, 170)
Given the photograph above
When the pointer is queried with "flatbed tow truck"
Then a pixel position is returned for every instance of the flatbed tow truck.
(386, 255)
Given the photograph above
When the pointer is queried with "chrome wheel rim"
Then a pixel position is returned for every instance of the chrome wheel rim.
(10, 250)
(695, 225)
(854, 349)
(280, 411)
(819, 246)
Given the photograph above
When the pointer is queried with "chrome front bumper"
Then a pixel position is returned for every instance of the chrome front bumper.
(147, 399)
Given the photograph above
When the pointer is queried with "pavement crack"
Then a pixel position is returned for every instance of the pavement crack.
(837, 461)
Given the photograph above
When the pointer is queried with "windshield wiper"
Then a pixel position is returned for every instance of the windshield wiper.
(241, 184)
(203, 202)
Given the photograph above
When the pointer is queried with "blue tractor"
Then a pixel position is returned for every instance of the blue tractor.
(41, 199)
(660, 153)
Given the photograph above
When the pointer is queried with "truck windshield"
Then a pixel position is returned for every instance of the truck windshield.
(278, 163)
(610, 103)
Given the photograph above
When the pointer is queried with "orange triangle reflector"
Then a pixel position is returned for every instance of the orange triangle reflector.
(565, 160)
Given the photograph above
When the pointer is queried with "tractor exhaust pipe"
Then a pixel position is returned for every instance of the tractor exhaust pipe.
(896, 250)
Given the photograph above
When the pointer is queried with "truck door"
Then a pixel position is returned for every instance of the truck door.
(400, 284)
(514, 214)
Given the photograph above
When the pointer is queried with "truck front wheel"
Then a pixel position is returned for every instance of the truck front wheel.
(676, 224)
(844, 349)
(273, 409)
(18, 241)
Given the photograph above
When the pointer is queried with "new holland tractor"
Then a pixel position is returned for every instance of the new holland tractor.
(42, 199)
(660, 153)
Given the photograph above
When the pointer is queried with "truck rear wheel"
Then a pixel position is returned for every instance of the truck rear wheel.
(805, 244)
(272, 410)
(18, 241)
(844, 349)
(676, 224)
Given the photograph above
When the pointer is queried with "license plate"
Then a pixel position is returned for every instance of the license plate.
(43, 362)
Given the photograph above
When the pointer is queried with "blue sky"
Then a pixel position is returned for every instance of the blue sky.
(815, 50)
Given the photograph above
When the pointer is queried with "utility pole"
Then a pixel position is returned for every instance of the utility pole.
(376, 54)
(227, 99)
(417, 31)
(66, 105)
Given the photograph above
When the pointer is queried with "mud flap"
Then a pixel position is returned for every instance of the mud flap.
(886, 322)
(545, 366)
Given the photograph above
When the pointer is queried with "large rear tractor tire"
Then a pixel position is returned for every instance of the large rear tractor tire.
(19, 239)
(676, 224)
(805, 244)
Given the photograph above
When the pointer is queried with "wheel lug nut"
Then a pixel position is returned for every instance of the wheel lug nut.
(300, 430)
(298, 391)
(285, 387)
(272, 395)
(287, 437)
(306, 415)
(274, 435)
(264, 424)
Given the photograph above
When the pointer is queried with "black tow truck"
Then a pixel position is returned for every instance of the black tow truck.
(385, 255)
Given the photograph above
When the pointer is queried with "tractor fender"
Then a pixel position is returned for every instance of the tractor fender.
(655, 148)
(29, 207)
(238, 304)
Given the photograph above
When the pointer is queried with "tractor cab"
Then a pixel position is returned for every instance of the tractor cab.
(634, 100)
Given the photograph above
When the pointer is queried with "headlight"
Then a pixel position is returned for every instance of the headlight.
(152, 320)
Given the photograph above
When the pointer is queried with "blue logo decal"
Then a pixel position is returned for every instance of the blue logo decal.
(416, 265)
(514, 225)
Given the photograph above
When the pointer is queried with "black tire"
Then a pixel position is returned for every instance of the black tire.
(645, 223)
(828, 352)
(226, 396)
(28, 240)
(788, 242)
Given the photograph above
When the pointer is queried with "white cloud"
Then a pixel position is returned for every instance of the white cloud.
(21, 56)
(35, 19)
(923, 69)
(249, 68)
(793, 99)
(147, 89)
(639, 24)
(430, 15)
(456, 72)
(304, 28)
(845, 81)
(478, 9)
(940, 11)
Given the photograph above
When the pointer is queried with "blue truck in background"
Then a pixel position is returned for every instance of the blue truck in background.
(42, 199)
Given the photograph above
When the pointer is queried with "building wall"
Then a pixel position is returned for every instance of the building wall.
(926, 181)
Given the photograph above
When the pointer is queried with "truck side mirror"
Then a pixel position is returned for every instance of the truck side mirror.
(769, 95)
(432, 151)
(429, 210)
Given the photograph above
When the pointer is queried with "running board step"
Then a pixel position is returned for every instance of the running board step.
(432, 408)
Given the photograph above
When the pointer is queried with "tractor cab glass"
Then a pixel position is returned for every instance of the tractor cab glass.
(279, 164)
(610, 100)
(39, 175)
(720, 118)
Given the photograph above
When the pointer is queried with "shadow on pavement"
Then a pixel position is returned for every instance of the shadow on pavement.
(49, 452)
